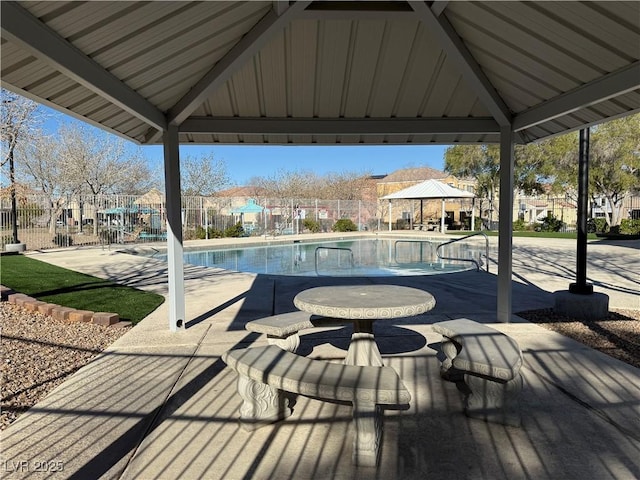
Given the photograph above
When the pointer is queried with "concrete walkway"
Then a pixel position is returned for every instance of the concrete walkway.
(163, 405)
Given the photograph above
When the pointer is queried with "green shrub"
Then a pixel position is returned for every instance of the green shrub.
(189, 235)
(63, 240)
(215, 233)
(311, 225)
(345, 225)
(234, 231)
(402, 224)
(630, 226)
(551, 224)
(520, 226)
(200, 233)
(601, 224)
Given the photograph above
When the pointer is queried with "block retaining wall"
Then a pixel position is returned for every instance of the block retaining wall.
(61, 313)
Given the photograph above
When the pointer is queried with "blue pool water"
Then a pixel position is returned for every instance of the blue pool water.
(361, 257)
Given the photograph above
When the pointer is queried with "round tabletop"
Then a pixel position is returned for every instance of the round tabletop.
(371, 302)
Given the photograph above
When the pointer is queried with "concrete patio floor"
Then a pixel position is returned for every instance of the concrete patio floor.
(162, 405)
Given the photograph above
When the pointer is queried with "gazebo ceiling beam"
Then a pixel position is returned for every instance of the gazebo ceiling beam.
(611, 85)
(456, 50)
(389, 15)
(280, 6)
(342, 126)
(438, 7)
(376, 11)
(22, 28)
(239, 54)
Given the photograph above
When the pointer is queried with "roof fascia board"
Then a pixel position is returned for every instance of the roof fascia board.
(341, 126)
(71, 113)
(22, 28)
(152, 136)
(457, 51)
(586, 125)
(616, 83)
(240, 53)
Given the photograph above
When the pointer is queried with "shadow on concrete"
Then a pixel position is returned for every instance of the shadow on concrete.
(170, 411)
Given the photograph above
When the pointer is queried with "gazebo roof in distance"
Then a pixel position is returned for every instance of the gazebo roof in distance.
(327, 72)
(429, 189)
(250, 207)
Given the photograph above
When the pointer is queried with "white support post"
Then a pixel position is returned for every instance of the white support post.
(412, 216)
(442, 218)
(174, 229)
(206, 223)
(505, 240)
(389, 215)
(473, 216)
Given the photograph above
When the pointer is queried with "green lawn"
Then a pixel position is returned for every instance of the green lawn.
(52, 284)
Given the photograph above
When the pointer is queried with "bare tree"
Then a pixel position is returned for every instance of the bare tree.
(17, 124)
(42, 168)
(101, 163)
(348, 186)
(83, 160)
(203, 175)
(287, 184)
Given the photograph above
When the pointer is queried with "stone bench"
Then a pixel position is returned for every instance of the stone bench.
(488, 362)
(282, 330)
(265, 373)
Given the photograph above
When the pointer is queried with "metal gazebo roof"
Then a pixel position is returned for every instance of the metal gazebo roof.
(250, 207)
(429, 189)
(327, 72)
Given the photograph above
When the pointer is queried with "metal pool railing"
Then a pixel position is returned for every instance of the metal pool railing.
(351, 257)
(477, 264)
(395, 247)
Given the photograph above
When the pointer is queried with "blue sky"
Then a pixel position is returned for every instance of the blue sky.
(246, 161)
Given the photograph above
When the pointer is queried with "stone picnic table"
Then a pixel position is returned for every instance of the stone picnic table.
(364, 305)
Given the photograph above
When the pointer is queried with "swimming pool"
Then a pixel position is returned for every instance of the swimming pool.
(351, 258)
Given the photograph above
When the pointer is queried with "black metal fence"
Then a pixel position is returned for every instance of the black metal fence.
(46, 222)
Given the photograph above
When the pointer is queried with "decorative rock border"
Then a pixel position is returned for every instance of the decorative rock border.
(61, 313)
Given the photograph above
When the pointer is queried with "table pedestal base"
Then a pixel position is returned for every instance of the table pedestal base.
(363, 349)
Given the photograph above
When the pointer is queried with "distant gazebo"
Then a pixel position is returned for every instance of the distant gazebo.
(429, 190)
(248, 211)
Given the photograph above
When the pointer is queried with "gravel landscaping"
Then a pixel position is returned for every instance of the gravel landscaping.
(618, 335)
(39, 353)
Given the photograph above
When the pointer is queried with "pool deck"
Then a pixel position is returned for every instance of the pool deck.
(158, 404)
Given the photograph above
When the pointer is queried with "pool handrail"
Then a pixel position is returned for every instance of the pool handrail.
(486, 238)
(395, 247)
(333, 248)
